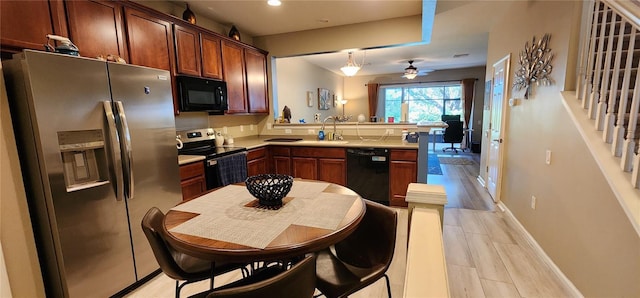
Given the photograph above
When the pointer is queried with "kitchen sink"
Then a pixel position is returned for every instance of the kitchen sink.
(283, 140)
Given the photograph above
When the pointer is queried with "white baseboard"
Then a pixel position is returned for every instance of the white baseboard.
(481, 181)
(538, 250)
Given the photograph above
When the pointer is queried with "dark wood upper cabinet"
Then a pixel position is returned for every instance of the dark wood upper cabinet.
(234, 75)
(187, 51)
(256, 63)
(211, 56)
(97, 28)
(25, 24)
(150, 40)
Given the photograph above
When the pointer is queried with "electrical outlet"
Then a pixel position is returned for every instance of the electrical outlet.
(287, 131)
(241, 128)
(547, 158)
(534, 201)
(269, 125)
(311, 131)
(224, 129)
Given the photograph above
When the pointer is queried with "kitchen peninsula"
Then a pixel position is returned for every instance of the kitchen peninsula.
(306, 157)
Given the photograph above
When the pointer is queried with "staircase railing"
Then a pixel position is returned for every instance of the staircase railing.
(606, 88)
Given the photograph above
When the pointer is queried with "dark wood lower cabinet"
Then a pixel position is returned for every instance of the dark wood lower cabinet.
(305, 167)
(325, 164)
(192, 180)
(403, 169)
(257, 161)
(332, 170)
(281, 160)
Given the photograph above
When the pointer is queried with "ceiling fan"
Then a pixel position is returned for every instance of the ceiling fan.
(412, 72)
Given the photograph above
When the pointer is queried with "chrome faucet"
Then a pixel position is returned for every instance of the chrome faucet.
(334, 135)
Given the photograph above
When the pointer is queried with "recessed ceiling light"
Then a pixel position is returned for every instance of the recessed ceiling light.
(274, 2)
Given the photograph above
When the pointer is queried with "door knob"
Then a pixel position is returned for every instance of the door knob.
(497, 140)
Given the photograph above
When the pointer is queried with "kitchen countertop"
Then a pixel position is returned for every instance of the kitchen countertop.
(390, 142)
(185, 159)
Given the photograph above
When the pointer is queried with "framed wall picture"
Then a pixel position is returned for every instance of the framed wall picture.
(310, 98)
(324, 99)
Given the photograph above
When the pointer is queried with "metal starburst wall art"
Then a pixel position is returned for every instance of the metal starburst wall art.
(535, 65)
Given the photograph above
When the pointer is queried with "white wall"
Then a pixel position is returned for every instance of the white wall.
(577, 221)
(296, 77)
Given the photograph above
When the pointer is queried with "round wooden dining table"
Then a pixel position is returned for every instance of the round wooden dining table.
(315, 215)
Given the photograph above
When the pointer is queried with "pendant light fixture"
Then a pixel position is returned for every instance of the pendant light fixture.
(351, 68)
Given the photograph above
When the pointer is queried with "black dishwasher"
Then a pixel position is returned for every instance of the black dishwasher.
(368, 173)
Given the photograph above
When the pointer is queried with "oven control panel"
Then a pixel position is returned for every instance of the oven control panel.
(196, 135)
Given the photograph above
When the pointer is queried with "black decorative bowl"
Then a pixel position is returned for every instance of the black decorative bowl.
(269, 189)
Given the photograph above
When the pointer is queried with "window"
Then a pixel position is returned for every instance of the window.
(426, 102)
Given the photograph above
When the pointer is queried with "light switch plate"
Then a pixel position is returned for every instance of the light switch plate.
(547, 158)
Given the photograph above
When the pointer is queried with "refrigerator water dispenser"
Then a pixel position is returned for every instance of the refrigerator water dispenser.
(84, 159)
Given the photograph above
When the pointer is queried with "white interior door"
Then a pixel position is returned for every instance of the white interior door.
(498, 99)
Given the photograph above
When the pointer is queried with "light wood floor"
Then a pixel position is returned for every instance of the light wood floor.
(486, 255)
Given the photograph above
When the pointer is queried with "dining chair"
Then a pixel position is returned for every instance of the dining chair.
(297, 282)
(362, 258)
(177, 265)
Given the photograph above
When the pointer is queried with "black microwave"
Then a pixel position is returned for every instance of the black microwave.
(199, 94)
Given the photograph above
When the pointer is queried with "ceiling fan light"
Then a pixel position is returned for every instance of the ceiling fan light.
(351, 68)
(410, 76)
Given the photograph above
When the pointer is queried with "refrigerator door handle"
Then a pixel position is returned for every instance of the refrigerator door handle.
(115, 150)
(125, 137)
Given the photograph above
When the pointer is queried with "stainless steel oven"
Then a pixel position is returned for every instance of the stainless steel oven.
(223, 164)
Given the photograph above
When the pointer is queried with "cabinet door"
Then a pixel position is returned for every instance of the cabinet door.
(256, 81)
(187, 51)
(211, 56)
(332, 170)
(193, 188)
(96, 27)
(305, 167)
(401, 173)
(257, 166)
(25, 24)
(234, 75)
(282, 165)
(149, 39)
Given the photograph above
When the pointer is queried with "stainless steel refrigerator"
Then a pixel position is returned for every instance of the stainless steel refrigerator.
(97, 149)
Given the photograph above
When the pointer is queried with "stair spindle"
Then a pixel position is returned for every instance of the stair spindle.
(629, 146)
(588, 88)
(609, 121)
(604, 91)
(595, 94)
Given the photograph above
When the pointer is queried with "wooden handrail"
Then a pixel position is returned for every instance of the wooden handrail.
(426, 273)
